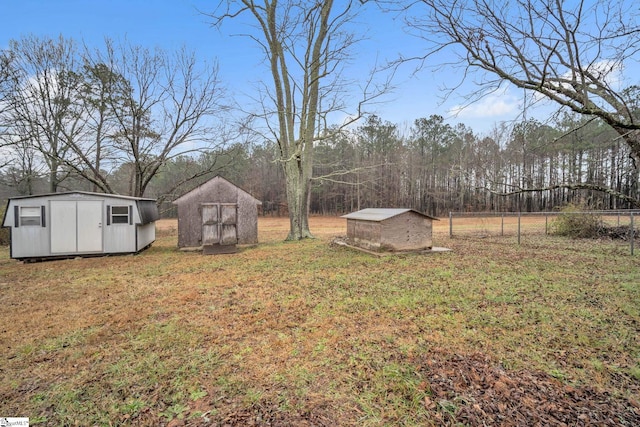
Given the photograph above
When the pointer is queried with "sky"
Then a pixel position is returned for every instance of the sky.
(170, 24)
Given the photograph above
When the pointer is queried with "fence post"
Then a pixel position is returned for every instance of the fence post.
(632, 230)
(519, 214)
(450, 224)
(546, 224)
(502, 225)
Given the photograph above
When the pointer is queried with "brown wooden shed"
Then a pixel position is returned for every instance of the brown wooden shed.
(217, 215)
(390, 229)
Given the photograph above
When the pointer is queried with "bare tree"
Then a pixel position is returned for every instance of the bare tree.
(41, 108)
(170, 106)
(123, 105)
(102, 92)
(24, 167)
(6, 87)
(18, 158)
(306, 45)
(572, 53)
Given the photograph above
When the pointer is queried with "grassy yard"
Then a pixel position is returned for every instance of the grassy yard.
(315, 334)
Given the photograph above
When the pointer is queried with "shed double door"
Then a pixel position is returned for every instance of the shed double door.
(76, 226)
(219, 224)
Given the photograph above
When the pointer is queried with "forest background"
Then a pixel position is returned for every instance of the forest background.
(433, 166)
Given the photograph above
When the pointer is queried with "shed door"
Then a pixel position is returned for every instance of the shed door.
(76, 226)
(228, 232)
(210, 234)
(219, 224)
(63, 227)
(90, 226)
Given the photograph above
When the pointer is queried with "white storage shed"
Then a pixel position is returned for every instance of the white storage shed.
(77, 223)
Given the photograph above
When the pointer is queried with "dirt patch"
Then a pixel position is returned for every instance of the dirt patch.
(319, 414)
(469, 390)
(344, 241)
(474, 391)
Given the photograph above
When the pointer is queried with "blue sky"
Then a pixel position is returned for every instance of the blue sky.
(170, 24)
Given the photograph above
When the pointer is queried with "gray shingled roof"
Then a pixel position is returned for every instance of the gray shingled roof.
(379, 214)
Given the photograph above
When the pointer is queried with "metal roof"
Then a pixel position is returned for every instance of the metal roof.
(379, 214)
(87, 193)
(147, 208)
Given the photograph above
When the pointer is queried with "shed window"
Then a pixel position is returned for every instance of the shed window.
(120, 215)
(30, 215)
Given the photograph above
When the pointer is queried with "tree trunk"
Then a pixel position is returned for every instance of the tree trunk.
(297, 173)
(297, 187)
(53, 175)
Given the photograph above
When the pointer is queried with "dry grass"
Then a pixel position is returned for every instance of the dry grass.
(307, 333)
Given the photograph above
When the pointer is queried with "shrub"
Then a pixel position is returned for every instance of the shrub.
(576, 223)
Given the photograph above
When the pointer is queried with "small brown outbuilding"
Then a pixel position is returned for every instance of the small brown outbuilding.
(390, 229)
(217, 215)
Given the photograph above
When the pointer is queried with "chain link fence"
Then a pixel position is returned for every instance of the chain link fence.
(621, 226)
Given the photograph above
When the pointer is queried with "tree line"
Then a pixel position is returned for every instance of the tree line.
(434, 167)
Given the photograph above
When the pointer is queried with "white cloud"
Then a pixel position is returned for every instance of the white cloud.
(498, 104)
(610, 71)
(504, 103)
(606, 71)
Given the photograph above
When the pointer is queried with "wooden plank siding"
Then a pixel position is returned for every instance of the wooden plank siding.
(217, 191)
(404, 232)
(366, 234)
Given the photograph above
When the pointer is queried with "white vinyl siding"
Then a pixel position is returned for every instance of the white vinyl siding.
(66, 224)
